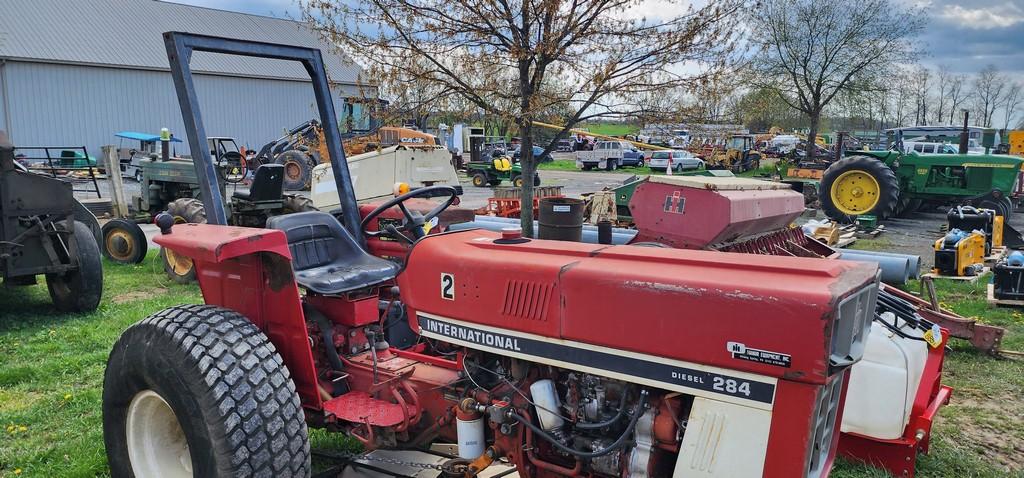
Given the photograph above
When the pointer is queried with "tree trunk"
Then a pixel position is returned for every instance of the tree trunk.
(529, 165)
(812, 136)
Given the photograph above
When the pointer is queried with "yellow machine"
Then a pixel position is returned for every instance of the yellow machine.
(738, 155)
(960, 253)
(997, 231)
(1016, 140)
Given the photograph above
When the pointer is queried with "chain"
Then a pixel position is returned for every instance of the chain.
(391, 461)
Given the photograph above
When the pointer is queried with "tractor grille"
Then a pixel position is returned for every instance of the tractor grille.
(527, 300)
(851, 327)
(825, 425)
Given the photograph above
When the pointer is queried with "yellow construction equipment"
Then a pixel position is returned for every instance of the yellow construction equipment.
(737, 155)
(602, 136)
(960, 253)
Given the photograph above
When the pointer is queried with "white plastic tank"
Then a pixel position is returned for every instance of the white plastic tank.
(883, 384)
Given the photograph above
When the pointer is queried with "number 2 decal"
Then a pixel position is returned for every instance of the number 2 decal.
(447, 286)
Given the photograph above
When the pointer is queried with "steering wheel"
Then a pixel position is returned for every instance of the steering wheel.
(233, 160)
(414, 221)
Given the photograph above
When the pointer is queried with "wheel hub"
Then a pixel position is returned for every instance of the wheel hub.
(120, 244)
(157, 446)
(292, 170)
(179, 264)
(855, 192)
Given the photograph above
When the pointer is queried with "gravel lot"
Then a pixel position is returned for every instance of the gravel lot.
(914, 235)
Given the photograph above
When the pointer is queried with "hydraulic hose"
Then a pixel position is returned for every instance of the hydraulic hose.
(610, 421)
(325, 327)
(588, 454)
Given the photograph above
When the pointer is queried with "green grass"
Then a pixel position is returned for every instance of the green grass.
(51, 379)
(610, 129)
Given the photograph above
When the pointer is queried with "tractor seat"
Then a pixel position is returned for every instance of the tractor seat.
(325, 258)
(267, 184)
(502, 164)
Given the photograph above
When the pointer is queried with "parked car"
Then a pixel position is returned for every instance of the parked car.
(610, 155)
(565, 146)
(537, 150)
(681, 160)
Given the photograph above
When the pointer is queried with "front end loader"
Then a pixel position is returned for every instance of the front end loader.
(555, 358)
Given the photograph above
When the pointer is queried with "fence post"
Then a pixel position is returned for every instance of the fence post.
(116, 184)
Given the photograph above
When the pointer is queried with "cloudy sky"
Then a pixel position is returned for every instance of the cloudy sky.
(962, 35)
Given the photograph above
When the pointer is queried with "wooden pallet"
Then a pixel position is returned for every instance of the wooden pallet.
(845, 240)
(969, 279)
(995, 255)
(852, 229)
(992, 300)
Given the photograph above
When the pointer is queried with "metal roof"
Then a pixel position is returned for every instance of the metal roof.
(127, 33)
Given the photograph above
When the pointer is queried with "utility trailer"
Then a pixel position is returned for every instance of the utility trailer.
(45, 231)
(492, 341)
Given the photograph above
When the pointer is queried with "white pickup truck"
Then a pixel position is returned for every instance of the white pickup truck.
(610, 155)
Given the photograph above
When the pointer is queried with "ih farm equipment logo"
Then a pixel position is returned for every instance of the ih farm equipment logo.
(675, 203)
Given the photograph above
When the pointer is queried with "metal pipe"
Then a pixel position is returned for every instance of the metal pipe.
(915, 261)
(619, 235)
(895, 270)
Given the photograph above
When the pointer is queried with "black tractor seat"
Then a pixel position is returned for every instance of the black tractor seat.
(267, 184)
(325, 258)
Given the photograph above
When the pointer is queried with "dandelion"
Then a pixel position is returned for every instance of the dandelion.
(11, 428)
(17, 471)
(67, 396)
(22, 428)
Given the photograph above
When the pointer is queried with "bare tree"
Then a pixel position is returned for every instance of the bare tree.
(499, 54)
(1011, 101)
(957, 96)
(921, 81)
(988, 92)
(810, 50)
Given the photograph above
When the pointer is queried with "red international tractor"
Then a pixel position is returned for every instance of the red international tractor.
(555, 358)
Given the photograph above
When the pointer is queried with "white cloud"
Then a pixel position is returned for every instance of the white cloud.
(996, 16)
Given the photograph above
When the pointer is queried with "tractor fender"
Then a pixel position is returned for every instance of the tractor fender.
(248, 270)
(85, 216)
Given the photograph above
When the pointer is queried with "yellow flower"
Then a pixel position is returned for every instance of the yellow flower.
(17, 471)
(67, 396)
(22, 428)
(10, 428)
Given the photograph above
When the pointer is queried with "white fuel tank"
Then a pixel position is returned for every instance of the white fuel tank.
(882, 385)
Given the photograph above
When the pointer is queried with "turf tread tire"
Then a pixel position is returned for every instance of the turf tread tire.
(888, 183)
(243, 418)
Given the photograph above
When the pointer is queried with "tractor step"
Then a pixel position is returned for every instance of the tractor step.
(360, 407)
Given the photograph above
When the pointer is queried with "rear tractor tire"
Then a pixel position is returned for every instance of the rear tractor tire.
(124, 242)
(298, 169)
(858, 185)
(81, 289)
(179, 268)
(198, 390)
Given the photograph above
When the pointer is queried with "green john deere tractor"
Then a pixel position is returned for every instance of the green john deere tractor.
(890, 183)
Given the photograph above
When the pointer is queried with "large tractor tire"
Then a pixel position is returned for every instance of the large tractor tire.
(124, 242)
(858, 185)
(298, 169)
(179, 268)
(198, 390)
(293, 203)
(81, 289)
(1002, 206)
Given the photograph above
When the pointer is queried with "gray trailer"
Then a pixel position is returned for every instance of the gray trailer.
(45, 231)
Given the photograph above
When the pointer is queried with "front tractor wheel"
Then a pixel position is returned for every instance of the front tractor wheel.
(198, 390)
(859, 185)
(180, 268)
(124, 242)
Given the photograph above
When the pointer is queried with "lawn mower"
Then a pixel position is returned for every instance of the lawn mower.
(556, 358)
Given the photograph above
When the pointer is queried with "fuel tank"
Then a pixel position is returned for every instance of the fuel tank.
(787, 317)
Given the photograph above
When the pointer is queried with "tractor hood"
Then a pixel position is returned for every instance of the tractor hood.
(768, 315)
